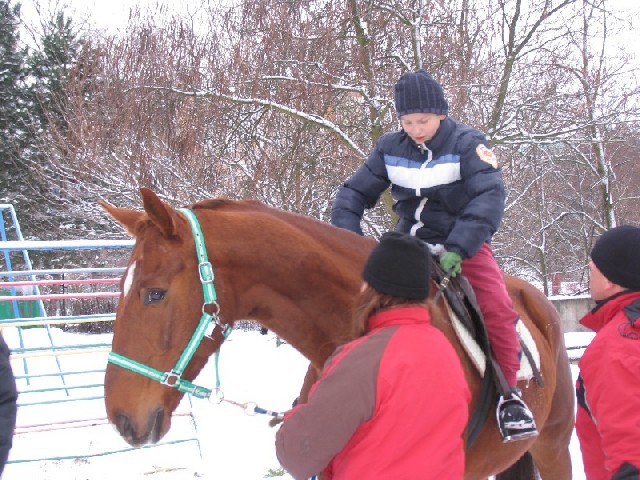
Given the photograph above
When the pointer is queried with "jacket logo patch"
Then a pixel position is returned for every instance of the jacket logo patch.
(487, 156)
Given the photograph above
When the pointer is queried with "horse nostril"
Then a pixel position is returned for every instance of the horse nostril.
(156, 428)
(123, 425)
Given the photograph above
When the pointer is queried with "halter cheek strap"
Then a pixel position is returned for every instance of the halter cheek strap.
(173, 378)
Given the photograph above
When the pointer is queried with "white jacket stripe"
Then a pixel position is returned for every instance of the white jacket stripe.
(417, 175)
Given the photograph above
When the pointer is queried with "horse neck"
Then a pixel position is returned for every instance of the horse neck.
(296, 282)
(309, 308)
(309, 326)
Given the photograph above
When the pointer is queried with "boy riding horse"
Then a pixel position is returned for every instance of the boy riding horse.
(448, 191)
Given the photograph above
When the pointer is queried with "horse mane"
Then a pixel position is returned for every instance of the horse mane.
(228, 204)
(322, 231)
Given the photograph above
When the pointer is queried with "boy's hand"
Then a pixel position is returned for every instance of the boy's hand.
(451, 263)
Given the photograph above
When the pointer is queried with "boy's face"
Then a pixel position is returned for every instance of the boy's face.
(421, 127)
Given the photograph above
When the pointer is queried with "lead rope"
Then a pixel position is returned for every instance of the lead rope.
(252, 408)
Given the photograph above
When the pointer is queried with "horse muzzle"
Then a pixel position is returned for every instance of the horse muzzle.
(135, 436)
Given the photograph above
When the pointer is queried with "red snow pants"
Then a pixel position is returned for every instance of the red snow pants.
(500, 318)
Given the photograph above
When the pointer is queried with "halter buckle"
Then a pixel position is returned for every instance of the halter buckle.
(205, 270)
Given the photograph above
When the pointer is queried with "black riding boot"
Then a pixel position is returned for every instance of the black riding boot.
(515, 420)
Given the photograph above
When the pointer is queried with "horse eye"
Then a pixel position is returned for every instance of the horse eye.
(154, 295)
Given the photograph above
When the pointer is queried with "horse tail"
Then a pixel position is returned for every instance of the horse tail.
(523, 469)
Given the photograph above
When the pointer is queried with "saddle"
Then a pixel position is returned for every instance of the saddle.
(462, 302)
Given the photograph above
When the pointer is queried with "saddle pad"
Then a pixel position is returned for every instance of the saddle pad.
(479, 359)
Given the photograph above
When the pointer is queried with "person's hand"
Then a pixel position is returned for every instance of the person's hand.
(451, 263)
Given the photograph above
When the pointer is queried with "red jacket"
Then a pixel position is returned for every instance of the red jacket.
(608, 390)
(392, 404)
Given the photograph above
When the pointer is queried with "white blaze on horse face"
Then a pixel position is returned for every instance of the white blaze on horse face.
(129, 278)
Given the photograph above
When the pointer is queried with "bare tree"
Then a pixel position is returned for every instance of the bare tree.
(582, 102)
(281, 101)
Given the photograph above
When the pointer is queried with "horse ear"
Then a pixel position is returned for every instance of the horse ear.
(159, 212)
(126, 217)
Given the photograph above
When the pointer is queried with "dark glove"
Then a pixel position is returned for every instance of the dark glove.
(451, 262)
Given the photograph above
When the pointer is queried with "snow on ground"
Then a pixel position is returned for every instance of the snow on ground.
(233, 444)
(208, 441)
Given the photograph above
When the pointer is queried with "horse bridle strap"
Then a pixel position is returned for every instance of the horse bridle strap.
(170, 379)
(174, 378)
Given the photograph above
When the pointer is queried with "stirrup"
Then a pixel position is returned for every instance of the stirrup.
(515, 432)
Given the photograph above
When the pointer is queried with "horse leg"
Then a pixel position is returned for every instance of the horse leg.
(310, 378)
(551, 452)
(551, 449)
(523, 469)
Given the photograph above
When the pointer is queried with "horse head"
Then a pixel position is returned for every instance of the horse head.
(162, 270)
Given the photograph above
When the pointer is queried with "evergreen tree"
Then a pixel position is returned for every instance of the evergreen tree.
(57, 72)
(51, 67)
(14, 134)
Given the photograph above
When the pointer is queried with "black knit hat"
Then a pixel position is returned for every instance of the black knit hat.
(617, 255)
(400, 265)
(418, 92)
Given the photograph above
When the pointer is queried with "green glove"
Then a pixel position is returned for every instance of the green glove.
(451, 263)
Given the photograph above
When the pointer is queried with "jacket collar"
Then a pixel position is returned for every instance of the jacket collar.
(447, 126)
(606, 309)
(410, 315)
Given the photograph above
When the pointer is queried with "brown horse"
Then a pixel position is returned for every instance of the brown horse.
(298, 277)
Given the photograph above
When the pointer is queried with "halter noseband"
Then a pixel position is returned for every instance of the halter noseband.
(173, 378)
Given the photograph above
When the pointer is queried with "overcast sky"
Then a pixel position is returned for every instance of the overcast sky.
(113, 15)
(103, 14)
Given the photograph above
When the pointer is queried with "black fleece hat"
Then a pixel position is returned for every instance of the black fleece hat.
(400, 265)
(418, 92)
(617, 255)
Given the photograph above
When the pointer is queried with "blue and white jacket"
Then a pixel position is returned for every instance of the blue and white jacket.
(448, 191)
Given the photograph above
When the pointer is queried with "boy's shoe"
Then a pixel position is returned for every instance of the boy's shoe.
(515, 420)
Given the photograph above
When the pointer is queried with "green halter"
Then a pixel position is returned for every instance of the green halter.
(173, 378)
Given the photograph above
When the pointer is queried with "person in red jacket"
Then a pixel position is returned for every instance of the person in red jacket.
(608, 391)
(394, 402)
